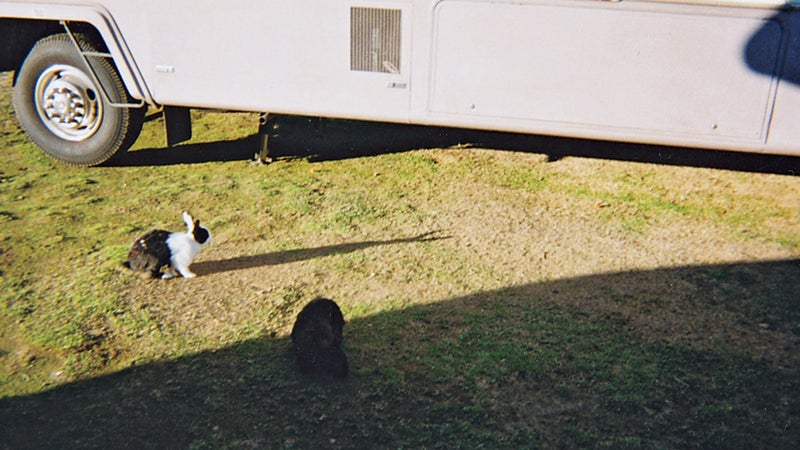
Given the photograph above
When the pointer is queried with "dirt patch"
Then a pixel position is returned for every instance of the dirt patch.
(514, 236)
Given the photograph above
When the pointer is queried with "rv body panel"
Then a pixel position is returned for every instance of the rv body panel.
(688, 73)
(674, 74)
(641, 72)
(288, 56)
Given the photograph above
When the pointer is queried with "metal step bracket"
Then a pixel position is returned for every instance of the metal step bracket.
(85, 55)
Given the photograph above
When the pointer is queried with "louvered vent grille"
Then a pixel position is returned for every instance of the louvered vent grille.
(375, 40)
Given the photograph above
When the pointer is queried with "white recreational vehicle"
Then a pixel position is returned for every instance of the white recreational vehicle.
(697, 73)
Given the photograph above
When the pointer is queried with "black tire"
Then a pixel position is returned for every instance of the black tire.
(62, 110)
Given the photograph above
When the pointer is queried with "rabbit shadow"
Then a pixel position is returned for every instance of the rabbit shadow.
(295, 255)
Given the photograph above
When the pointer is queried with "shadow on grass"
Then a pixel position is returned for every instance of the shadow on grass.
(332, 139)
(221, 151)
(289, 256)
(701, 357)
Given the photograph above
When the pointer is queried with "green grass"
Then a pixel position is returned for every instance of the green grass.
(443, 353)
(512, 352)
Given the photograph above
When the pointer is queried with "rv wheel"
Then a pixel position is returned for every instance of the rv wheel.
(62, 110)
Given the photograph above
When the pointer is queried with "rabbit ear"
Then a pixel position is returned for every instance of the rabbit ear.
(188, 220)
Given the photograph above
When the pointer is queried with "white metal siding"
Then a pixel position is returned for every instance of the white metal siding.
(664, 74)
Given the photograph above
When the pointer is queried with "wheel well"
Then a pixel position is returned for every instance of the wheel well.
(20, 35)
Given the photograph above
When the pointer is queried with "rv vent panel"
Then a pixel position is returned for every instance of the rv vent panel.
(375, 40)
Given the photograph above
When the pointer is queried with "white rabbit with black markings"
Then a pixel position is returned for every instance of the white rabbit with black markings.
(159, 249)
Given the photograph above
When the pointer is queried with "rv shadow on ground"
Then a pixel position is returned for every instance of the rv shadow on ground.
(192, 153)
(700, 357)
(332, 139)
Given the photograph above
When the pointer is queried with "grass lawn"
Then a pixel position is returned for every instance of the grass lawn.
(493, 299)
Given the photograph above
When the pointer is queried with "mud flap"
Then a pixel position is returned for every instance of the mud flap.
(177, 125)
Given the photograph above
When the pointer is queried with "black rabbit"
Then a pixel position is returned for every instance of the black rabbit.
(317, 339)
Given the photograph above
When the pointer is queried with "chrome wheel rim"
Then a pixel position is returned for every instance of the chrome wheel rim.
(68, 103)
